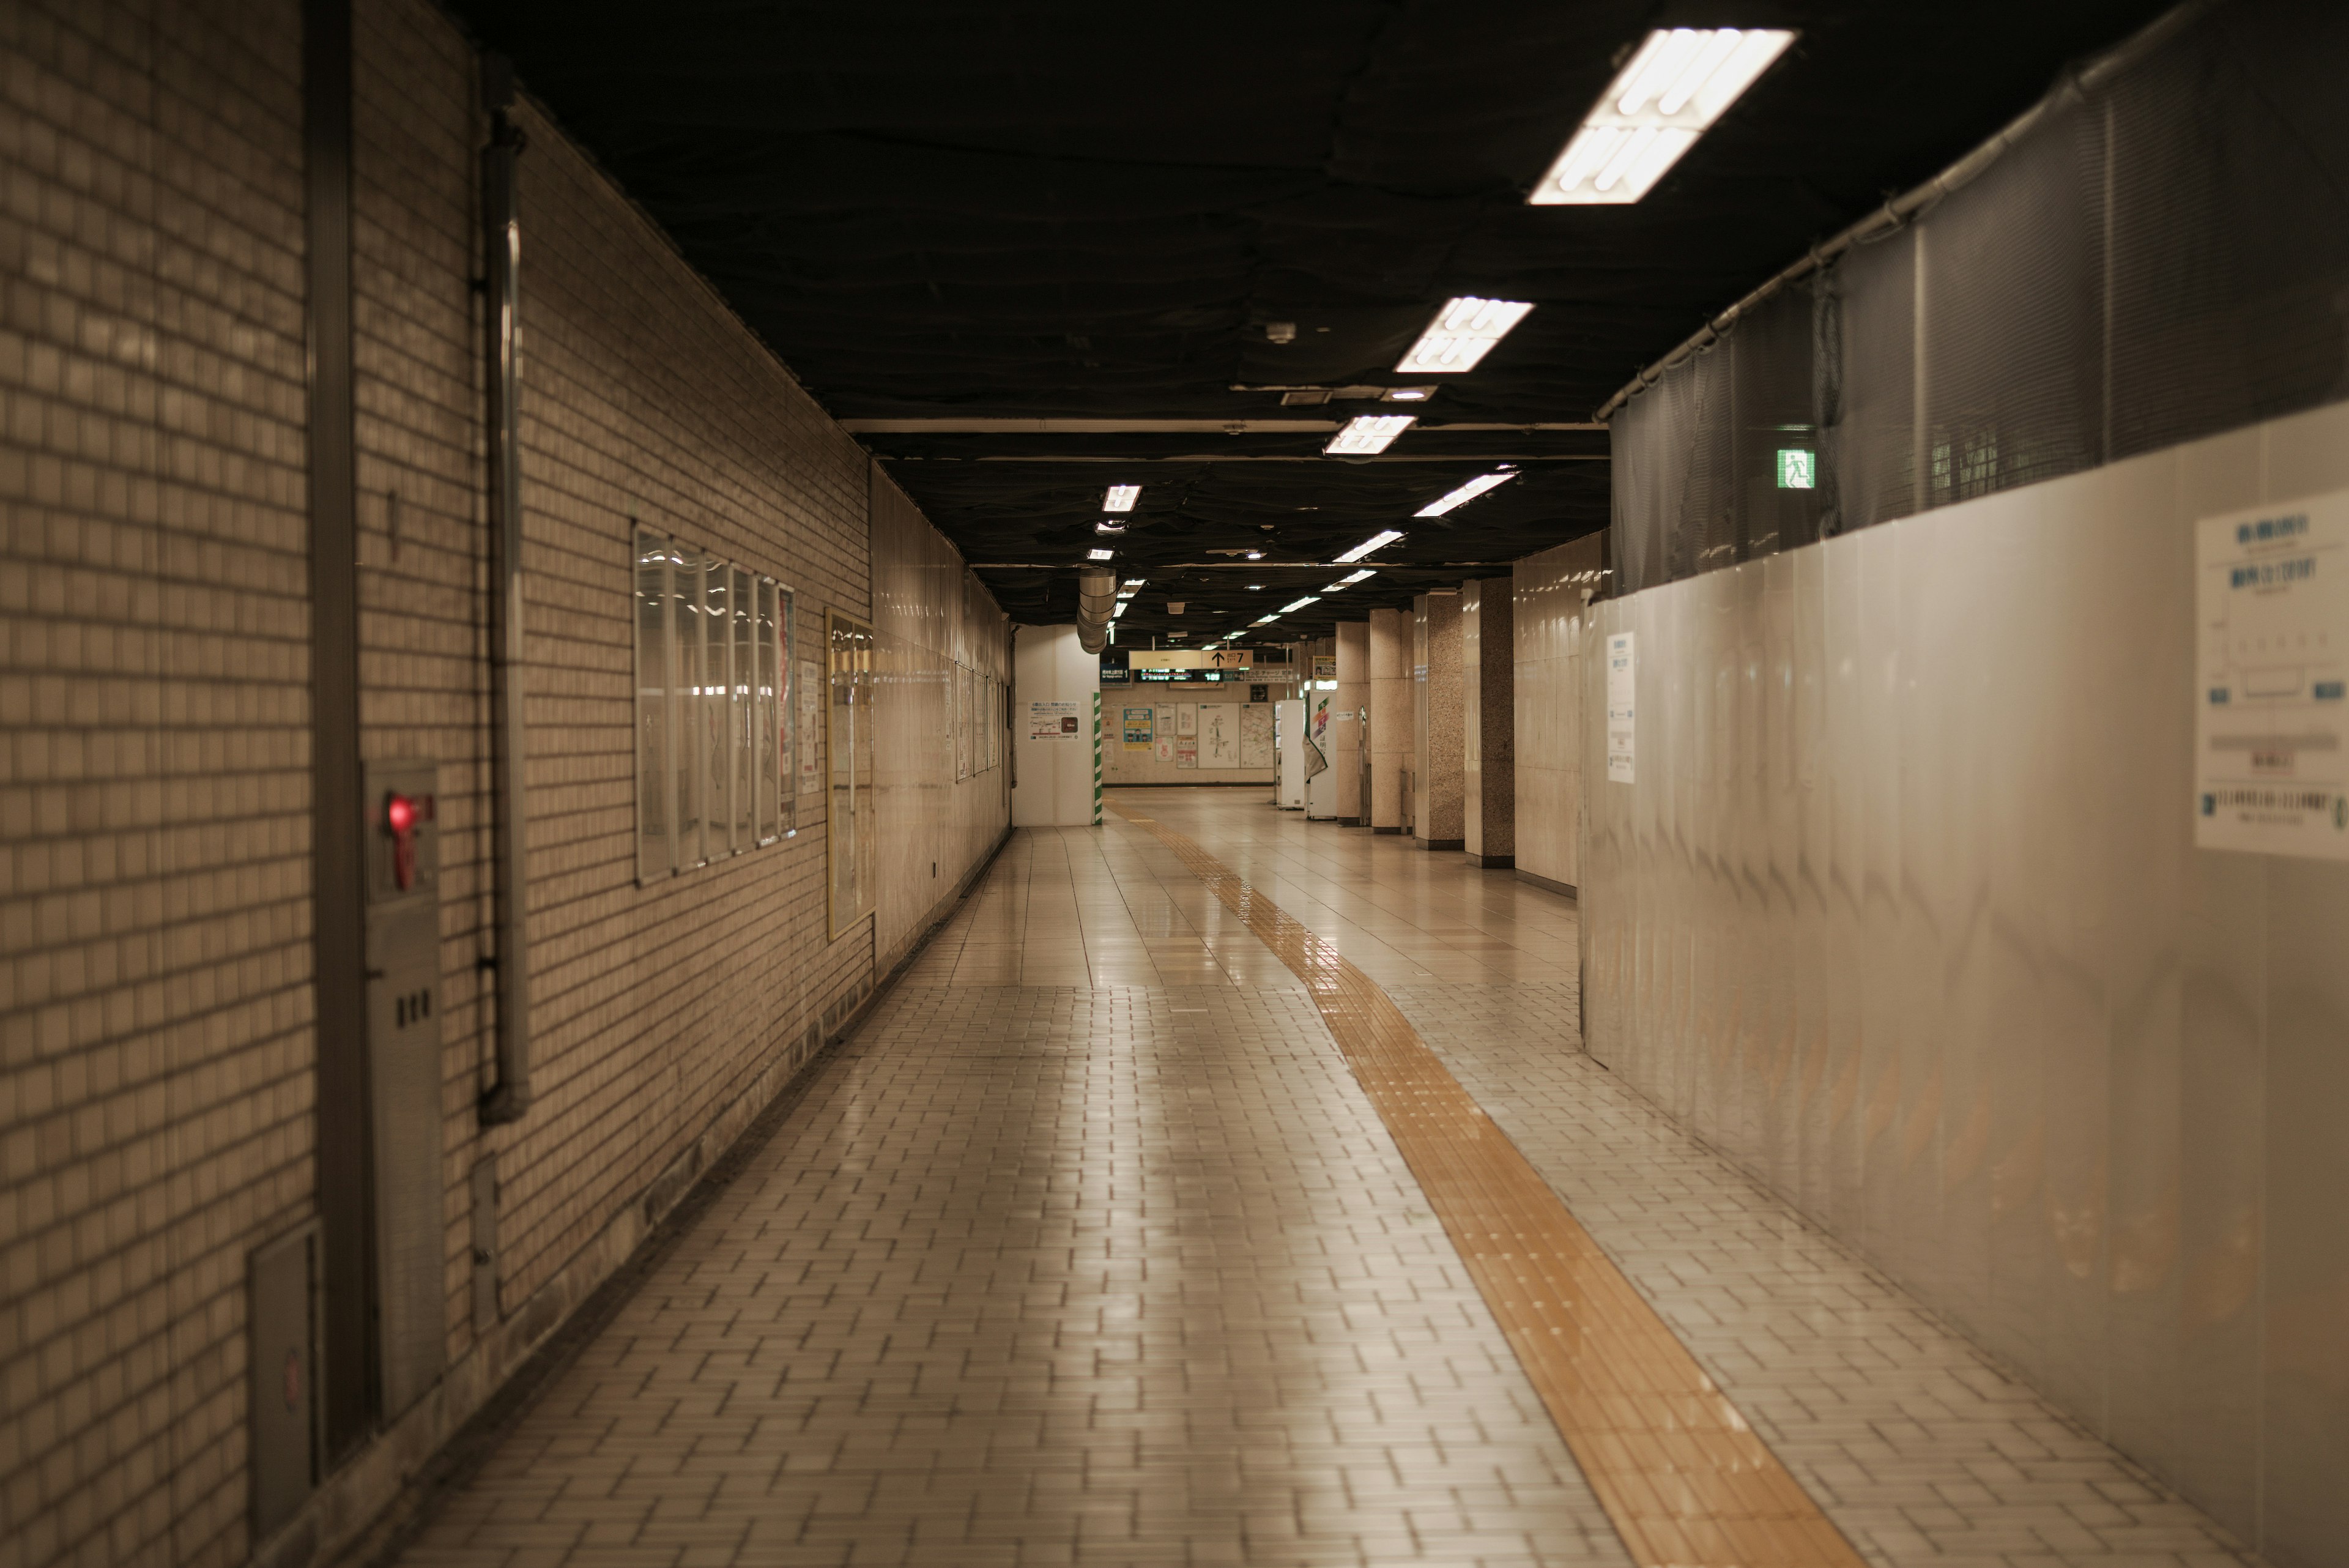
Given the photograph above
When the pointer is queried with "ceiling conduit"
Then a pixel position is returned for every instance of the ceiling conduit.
(1096, 598)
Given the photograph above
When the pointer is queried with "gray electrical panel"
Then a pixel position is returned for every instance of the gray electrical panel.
(404, 1070)
(281, 1396)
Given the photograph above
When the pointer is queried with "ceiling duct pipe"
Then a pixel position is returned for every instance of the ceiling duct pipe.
(1096, 598)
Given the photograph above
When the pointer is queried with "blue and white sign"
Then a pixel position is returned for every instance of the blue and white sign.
(2272, 679)
(1621, 685)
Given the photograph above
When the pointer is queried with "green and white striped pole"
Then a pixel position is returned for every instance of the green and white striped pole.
(1097, 760)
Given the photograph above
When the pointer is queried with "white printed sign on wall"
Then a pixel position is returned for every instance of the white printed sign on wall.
(1219, 737)
(1054, 722)
(1621, 724)
(2272, 679)
(810, 716)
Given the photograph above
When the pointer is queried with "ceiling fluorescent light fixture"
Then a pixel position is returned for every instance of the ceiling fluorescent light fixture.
(1466, 493)
(1299, 604)
(1365, 435)
(1407, 394)
(1120, 497)
(1375, 541)
(1265, 620)
(1123, 605)
(1100, 555)
(1676, 86)
(1348, 582)
(1463, 332)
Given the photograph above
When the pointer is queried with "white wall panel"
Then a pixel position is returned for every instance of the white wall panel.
(1546, 613)
(1903, 913)
(1053, 780)
(933, 619)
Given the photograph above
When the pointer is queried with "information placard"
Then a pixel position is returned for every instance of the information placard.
(1621, 726)
(1054, 722)
(2272, 679)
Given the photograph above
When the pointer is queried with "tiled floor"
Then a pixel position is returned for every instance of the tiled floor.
(1089, 1248)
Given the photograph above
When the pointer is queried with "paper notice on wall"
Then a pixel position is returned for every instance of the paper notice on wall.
(1054, 722)
(1139, 728)
(1187, 751)
(1621, 727)
(1325, 667)
(1186, 718)
(1255, 735)
(1219, 737)
(2271, 686)
(811, 721)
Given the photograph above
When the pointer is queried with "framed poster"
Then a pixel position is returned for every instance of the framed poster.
(852, 843)
(1219, 736)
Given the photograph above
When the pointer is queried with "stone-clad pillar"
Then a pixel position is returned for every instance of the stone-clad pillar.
(1391, 728)
(1488, 723)
(1345, 727)
(1435, 824)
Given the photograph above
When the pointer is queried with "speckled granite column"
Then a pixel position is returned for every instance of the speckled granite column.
(1346, 727)
(1441, 749)
(1488, 816)
(1390, 715)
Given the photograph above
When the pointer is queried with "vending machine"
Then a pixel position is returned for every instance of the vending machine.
(1289, 751)
(1320, 754)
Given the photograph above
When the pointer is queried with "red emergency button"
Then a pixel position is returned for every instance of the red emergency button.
(402, 813)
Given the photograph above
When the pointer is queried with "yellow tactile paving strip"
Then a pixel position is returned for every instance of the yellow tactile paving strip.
(1685, 1480)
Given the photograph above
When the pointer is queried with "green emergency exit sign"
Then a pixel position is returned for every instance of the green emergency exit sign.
(1797, 468)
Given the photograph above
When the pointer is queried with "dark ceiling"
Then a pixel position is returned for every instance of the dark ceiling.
(1052, 210)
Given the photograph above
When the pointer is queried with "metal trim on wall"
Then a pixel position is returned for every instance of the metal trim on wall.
(509, 1097)
(344, 1146)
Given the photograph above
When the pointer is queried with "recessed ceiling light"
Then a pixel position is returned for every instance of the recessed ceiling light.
(1256, 554)
(1463, 332)
(1466, 493)
(1121, 609)
(1120, 497)
(1367, 433)
(1678, 84)
(1376, 542)
(1407, 394)
(1106, 526)
(1128, 592)
(1299, 603)
(1100, 555)
(1256, 587)
(1348, 582)
(1134, 582)
(1264, 621)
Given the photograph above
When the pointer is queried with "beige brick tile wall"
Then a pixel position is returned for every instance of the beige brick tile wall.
(154, 1016)
(156, 1048)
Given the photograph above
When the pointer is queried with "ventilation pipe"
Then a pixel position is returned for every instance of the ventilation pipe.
(509, 1097)
(1096, 598)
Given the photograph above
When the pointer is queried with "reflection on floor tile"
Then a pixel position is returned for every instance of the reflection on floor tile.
(1116, 1269)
